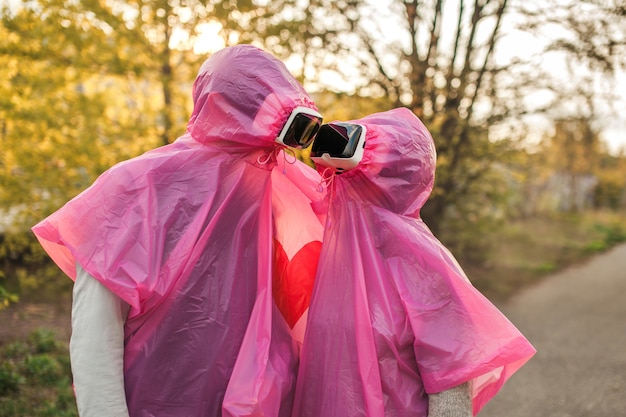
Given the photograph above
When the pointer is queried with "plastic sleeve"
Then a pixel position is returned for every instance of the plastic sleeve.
(97, 348)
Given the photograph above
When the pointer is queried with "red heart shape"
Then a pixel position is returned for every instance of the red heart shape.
(293, 280)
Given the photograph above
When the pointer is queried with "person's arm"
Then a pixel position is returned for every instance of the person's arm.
(455, 402)
(97, 348)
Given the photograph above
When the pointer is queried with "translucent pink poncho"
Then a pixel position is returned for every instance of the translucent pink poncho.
(184, 234)
(393, 317)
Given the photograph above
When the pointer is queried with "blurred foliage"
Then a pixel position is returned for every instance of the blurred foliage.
(610, 192)
(526, 249)
(6, 298)
(27, 271)
(64, 119)
(570, 170)
(611, 235)
(35, 378)
(85, 84)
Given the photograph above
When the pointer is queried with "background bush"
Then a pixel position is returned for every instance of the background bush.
(35, 378)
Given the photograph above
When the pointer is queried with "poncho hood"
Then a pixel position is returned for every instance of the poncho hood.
(242, 99)
(397, 171)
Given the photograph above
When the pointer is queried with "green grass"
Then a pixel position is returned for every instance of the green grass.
(35, 378)
(524, 251)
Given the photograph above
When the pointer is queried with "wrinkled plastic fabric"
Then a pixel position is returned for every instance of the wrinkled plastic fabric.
(393, 317)
(185, 234)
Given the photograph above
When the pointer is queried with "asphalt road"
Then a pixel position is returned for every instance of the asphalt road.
(577, 322)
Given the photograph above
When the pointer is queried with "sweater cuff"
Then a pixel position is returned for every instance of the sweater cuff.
(454, 402)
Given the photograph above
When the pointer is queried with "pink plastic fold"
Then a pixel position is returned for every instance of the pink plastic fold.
(393, 317)
(185, 235)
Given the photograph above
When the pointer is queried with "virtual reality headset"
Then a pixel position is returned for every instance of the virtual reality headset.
(301, 128)
(339, 145)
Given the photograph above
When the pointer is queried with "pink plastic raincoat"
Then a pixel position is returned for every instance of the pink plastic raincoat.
(393, 317)
(184, 234)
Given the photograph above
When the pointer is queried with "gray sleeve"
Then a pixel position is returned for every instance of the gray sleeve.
(455, 402)
(97, 348)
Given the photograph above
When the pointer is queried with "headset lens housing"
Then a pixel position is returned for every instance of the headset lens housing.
(301, 128)
(339, 145)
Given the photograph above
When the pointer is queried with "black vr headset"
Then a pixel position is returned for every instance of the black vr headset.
(301, 128)
(339, 145)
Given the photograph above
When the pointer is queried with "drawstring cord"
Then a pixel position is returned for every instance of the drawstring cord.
(287, 161)
(328, 176)
(268, 157)
(272, 156)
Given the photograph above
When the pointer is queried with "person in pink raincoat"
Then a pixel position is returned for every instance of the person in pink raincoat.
(394, 327)
(172, 255)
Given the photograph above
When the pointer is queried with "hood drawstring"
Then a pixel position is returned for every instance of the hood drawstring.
(287, 161)
(269, 156)
(272, 157)
(328, 176)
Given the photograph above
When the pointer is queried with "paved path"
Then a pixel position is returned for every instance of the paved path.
(577, 322)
